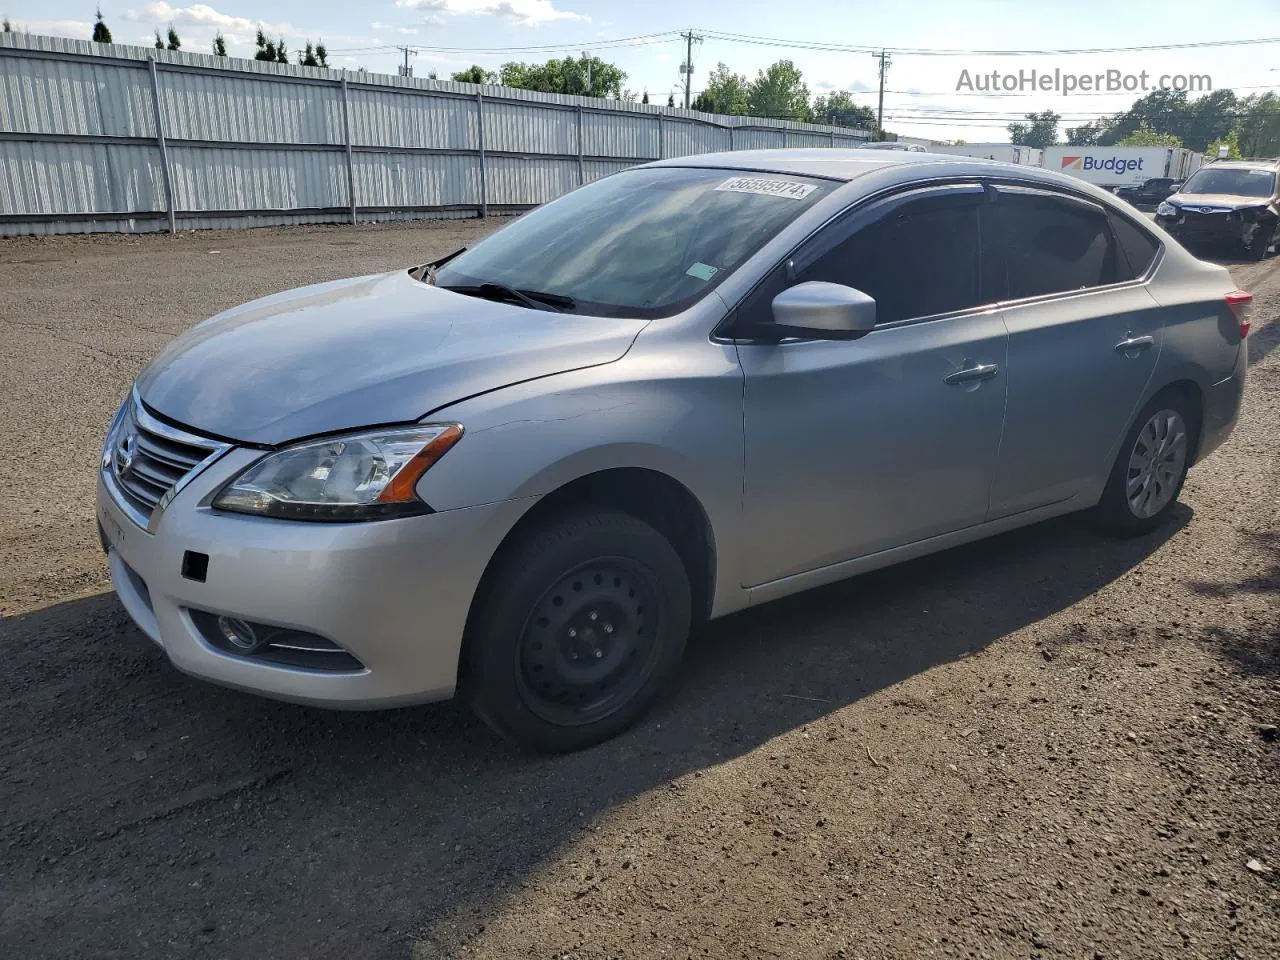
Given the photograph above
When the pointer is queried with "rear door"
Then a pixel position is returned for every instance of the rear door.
(1084, 336)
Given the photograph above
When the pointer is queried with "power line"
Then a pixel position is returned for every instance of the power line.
(639, 40)
(950, 52)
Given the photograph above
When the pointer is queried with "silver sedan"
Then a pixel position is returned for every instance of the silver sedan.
(523, 472)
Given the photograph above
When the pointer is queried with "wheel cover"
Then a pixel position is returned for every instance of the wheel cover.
(1156, 464)
(590, 642)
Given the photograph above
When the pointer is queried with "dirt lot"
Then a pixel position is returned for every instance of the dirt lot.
(1045, 745)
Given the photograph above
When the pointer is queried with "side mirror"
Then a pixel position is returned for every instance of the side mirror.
(823, 311)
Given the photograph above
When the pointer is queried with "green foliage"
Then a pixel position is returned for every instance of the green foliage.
(838, 110)
(312, 56)
(475, 74)
(159, 41)
(726, 93)
(565, 76)
(270, 51)
(1144, 136)
(8, 26)
(645, 98)
(322, 55)
(282, 54)
(779, 91)
(219, 46)
(174, 42)
(100, 32)
(1232, 142)
(1085, 135)
(1040, 131)
(1257, 126)
(671, 99)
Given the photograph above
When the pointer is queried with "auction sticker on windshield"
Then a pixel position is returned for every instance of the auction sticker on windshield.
(767, 187)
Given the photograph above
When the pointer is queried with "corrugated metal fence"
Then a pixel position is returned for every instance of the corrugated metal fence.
(102, 137)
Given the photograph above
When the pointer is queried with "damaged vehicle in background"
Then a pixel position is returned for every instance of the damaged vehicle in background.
(1230, 204)
(523, 472)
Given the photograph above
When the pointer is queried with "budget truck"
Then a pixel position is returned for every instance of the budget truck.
(1111, 167)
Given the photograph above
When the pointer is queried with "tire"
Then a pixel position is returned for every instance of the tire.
(1139, 498)
(577, 629)
(1263, 240)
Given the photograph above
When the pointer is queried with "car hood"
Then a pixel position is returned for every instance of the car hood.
(354, 353)
(1226, 201)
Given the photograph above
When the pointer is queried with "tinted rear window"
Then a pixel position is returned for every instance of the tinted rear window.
(1136, 245)
(1053, 245)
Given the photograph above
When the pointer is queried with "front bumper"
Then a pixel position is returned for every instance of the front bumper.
(1229, 227)
(395, 593)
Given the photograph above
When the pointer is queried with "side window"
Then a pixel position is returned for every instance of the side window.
(1137, 247)
(920, 259)
(1054, 244)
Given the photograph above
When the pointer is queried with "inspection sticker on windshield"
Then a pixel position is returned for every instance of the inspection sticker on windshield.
(767, 187)
(702, 271)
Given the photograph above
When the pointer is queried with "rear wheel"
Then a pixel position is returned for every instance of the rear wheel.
(1150, 469)
(580, 625)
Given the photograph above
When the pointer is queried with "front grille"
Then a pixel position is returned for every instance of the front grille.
(147, 459)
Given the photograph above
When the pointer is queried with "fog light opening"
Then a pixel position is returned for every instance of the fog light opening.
(240, 634)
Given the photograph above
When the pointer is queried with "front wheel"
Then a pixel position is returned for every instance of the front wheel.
(579, 625)
(1263, 239)
(1150, 469)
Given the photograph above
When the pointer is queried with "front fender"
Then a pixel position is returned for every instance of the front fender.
(681, 417)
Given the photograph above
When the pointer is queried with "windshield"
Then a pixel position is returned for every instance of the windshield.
(1237, 181)
(642, 243)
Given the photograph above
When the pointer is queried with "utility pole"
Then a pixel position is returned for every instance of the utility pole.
(885, 60)
(586, 59)
(406, 70)
(687, 67)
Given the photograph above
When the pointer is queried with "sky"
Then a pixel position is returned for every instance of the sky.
(941, 97)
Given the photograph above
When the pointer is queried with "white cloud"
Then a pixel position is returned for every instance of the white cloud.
(80, 29)
(528, 13)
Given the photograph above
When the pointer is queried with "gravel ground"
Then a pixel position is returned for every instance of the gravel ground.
(1044, 745)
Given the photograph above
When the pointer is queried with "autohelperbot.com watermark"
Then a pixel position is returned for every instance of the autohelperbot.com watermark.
(1065, 83)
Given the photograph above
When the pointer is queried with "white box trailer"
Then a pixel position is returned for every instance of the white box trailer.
(1008, 152)
(1112, 167)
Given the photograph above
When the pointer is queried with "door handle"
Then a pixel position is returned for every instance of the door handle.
(974, 374)
(1132, 346)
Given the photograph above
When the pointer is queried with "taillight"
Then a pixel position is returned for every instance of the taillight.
(1241, 305)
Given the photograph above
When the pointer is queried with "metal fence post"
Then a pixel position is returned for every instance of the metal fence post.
(661, 137)
(784, 138)
(484, 183)
(581, 171)
(832, 135)
(731, 139)
(346, 136)
(164, 151)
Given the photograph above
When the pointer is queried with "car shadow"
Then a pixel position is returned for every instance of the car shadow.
(143, 796)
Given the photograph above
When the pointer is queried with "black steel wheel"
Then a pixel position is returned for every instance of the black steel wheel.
(578, 626)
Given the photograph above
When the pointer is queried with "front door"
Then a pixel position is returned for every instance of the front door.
(853, 447)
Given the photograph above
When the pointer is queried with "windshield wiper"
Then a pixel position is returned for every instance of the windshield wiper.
(534, 299)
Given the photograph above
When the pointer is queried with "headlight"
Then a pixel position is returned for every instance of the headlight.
(364, 476)
(1166, 209)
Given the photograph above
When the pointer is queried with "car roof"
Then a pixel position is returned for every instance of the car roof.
(1242, 164)
(849, 164)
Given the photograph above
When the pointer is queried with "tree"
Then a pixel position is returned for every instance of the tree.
(1144, 136)
(1230, 141)
(174, 42)
(645, 98)
(565, 76)
(1257, 126)
(307, 57)
(838, 109)
(8, 26)
(779, 91)
(475, 74)
(322, 55)
(726, 93)
(1040, 132)
(271, 51)
(1086, 135)
(219, 46)
(671, 99)
(159, 41)
(100, 32)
